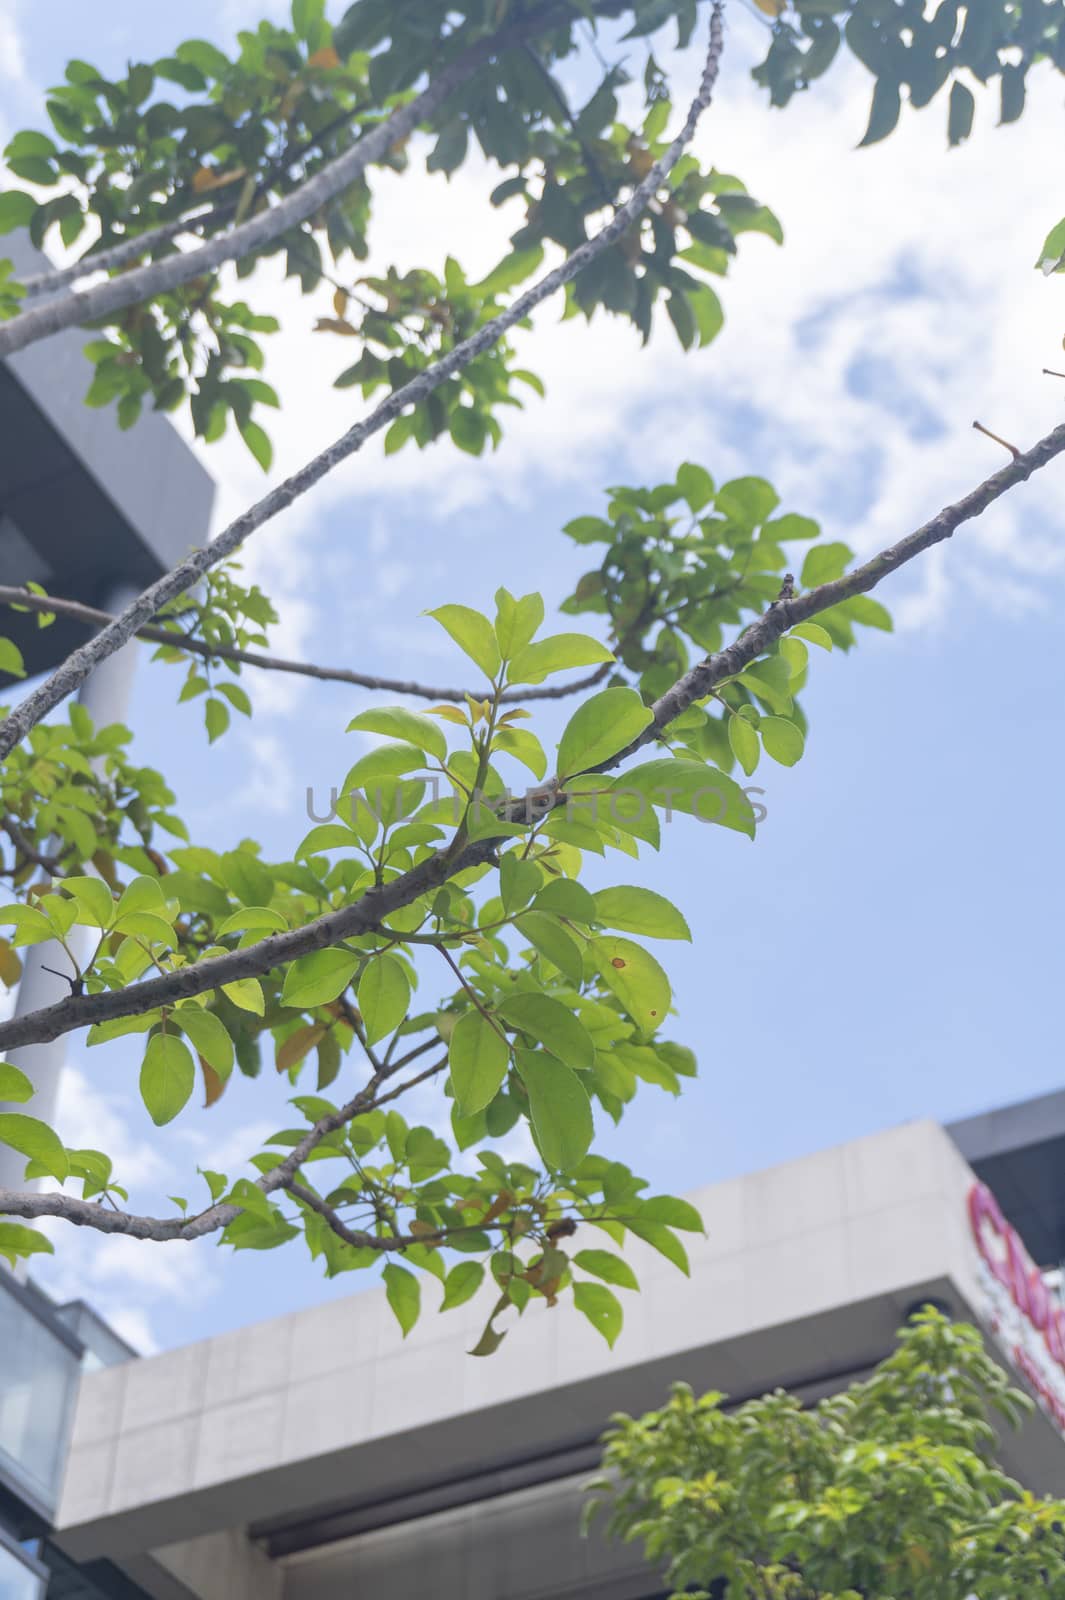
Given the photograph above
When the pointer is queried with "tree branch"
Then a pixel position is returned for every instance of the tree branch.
(118, 255)
(81, 662)
(94, 1214)
(155, 633)
(366, 914)
(157, 277)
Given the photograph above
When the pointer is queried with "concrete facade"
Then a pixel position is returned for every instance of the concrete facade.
(331, 1458)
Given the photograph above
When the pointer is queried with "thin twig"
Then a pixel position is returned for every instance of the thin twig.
(155, 633)
(76, 668)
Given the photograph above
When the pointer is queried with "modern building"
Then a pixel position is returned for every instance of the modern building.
(317, 1455)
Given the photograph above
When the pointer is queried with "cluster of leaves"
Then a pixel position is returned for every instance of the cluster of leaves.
(889, 1488)
(128, 155)
(558, 1006)
(225, 613)
(915, 46)
(686, 565)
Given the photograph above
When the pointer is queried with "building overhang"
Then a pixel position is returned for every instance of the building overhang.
(334, 1442)
(84, 507)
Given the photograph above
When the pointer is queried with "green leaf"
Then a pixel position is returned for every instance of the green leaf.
(604, 1264)
(1053, 252)
(743, 742)
(31, 926)
(11, 660)
(15, 1087)
(384, 996)
(640, 911)
(257, 441)
(602, 1308)
(479, 1056)
(601, 727)
(16, 210)
(168, 1076)
(824, 563)
(96, 905)
(208, 1035)
(512, 270)
(553, 1025)
(473, 633)
(17, 1242)
(516, 621)
(468, 429)
(552, 941)
(790, 526)
(659, 1237)
(461, 1284)
(247, 993)
(960, 114)
(404, 1295)
(782, 739)
(813, 632)
(318, 978)
(695, 484)
(37, 1141)
(636, 978)
(566, 899)
(396, 722)
(747, 501)
(216, 719)
(884, 111)
(672, 1213)
(306, 15)
(518, 881)
(556, 654)
(559, 1109)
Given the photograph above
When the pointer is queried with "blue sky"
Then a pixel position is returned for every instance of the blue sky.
(888, 948)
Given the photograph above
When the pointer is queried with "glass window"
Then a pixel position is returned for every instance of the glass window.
(39, 1366)
(18, 1581)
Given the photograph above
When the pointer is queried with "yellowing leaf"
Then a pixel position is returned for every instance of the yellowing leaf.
(324, 58)
(208, 178)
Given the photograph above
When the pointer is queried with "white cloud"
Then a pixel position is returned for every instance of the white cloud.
(88, 1117)
(12, 56)
(850, 368)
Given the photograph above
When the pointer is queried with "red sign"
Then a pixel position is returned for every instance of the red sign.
(1011, 1266)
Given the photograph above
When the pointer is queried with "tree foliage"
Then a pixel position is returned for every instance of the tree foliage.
(889, 1488)
(432, 928)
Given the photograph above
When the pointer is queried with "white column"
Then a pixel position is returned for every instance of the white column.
(105, 694)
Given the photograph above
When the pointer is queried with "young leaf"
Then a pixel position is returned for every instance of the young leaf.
(168, 1076)
(556, 654)
(473, 633)
(478, 1055)
(396, 722)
